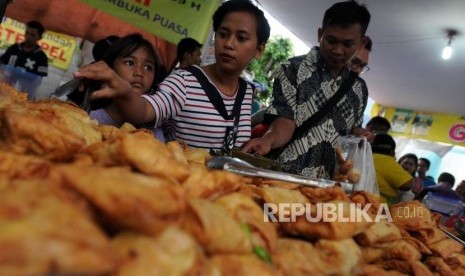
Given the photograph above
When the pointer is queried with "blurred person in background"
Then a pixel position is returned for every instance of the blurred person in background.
(28, 55)
(359, 63)
(390, 175)
(409, 162)
(188, 52)
(423, 166)
(446, 182)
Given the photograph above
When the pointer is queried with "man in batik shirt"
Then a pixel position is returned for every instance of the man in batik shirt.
(304, 84)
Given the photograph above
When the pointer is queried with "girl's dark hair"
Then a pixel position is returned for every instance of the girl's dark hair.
(410, 156)
(263, 28)
(127, 45)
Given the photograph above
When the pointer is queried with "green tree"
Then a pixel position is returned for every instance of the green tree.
(277, 50)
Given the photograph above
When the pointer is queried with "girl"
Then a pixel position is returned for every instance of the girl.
(241, 31)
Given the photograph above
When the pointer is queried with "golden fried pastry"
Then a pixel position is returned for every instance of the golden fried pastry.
(211, 184)
(70, 116)
(445, 248)
(17, 166)
(456, 260)
(340, 257)
(298, 257)
(411, 215)
(382, 231)
(173, 252)
(322, 226)
(371, 254)
(177, 150)
(144, 153)
(369, 270)
(215, 229)
(400, 250)
(41, 235)
(324, 194)
(235, 264)
(26, 133)
(429, 235)
(418, 245)
(131, 200)
(244, 210)
(196, 155)
(438, 266)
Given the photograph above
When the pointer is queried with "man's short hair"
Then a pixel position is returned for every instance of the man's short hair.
(36, 25)
(427, 162)
(186, 45)
(447, 177)
(345, 14)
(379, 124)
(384, 144)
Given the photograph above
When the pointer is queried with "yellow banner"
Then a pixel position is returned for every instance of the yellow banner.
(438, 127)
(59, 48)
(171, 20)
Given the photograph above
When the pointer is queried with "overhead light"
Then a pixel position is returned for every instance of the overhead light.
(447, 51)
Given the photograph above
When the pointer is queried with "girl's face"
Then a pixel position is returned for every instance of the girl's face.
(409, 165)
(138, 69)
(236, 42)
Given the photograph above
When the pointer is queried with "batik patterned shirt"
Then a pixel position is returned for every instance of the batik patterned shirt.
(299, 96)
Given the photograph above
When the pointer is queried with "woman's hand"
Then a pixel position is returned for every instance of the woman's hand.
(113, 86)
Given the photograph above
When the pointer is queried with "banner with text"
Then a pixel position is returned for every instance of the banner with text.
(59, 48)
(437, 127)
(170, 20)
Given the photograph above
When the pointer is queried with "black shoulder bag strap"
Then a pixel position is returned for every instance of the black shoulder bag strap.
(215, 98)
(326, 108)
(315, 118)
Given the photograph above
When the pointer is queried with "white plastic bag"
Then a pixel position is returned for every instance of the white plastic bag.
(359, 151)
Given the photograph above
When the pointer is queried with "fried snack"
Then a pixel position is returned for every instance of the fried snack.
(16, 166)
(411, 216)
(235, 264)
(9, 95)
(211, 184)
(418, 245)
(400, 250)
(429, 235)
(214, 229)
(438, 266)
(315, 195)
(69, 116)
(363, 198)
(26, 133)
(196, 155)
(144, 153)
(340, 257)
(456, 260)
(177, 150)
(445, 248)
(298, 257)
(173, 252)
(418, 268)
(277, 195)
(43, 235)
(371, 254)
(368, 270)
(382, 231)
(130, 200)
(246, 211)
(319, 228)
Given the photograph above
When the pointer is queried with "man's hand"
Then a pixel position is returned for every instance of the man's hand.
(362, 132)
(259, 146)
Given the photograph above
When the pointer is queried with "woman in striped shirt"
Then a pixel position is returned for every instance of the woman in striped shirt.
(181, 104)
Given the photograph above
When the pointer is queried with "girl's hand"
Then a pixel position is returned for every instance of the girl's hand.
(113, 86)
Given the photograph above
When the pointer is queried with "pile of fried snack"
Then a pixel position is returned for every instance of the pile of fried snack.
(77, 198)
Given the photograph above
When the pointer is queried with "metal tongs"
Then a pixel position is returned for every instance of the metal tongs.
(70, 86)
(263, 173)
